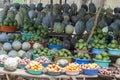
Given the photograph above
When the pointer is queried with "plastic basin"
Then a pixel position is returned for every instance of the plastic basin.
(97, 51)
(72, 73)
(114, 51)
(81, 61)
(54, 46)
(53, 73)
(102, 63)
(33, 72)
(45, 64)
(26, 35)
(90, 72)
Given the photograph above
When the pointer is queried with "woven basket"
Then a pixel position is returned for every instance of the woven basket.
(8, 28)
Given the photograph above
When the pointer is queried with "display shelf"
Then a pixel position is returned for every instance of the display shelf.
(22, 73)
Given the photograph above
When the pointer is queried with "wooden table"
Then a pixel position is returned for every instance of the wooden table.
(24, 74)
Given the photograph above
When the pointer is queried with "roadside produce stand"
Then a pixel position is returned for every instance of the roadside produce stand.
(22, 73)
(59, 41)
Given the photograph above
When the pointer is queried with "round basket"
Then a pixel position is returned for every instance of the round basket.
(102, 63)
(69, 59)
(26, 35)
(81, 61)
(33, 72)
(54, 46)
(84, 51)
(97, 51)
(8, 28)
(90, 72)
(114, 51)
(45, 64)
(54, 73)
(72, 73)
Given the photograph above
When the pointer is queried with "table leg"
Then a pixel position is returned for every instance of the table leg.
(73, 78)
(84, 78)
(52, 78)
(7, 76)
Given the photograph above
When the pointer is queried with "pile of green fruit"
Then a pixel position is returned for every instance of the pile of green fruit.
(63, 53)
(99, 34)
(54, 41)
(15, 37)
(43, 52)
(42, 30)
(99, 44)
(28, 27)
(103, 56)
(82, 55)
(36, 39)
(9, 22)
(114, 45)
(81, 44)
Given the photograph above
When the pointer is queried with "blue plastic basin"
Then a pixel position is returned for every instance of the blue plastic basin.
(81, 61)
(90, 72)
(97, 51)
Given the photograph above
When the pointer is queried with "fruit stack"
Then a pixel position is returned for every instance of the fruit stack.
(54, 43)
(90, 69)
(103, 60)
(73, 69)
(82, 58)
(34, 67)
(114, 48)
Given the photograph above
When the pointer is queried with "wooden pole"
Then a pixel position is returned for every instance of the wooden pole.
(65, 1)
(60, 5)
(96, 20)
(51, 24)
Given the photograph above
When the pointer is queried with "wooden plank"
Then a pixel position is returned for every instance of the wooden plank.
(117, 76)
(24, 74)
(87, 76)
(73, 78)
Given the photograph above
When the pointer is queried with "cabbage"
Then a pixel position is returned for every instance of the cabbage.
(7, 46)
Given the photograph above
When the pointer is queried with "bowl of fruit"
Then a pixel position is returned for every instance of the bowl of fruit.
(43, 52)
(90, 69)
(43, 60)
(9, 25)
(82, 58)
(103, 60)
(114, 48)
(53, 70)
(63, 54)
(54, 43)
(73, 69)
(99, 46)
(81, 46)
(34, 68)
(22, 63)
